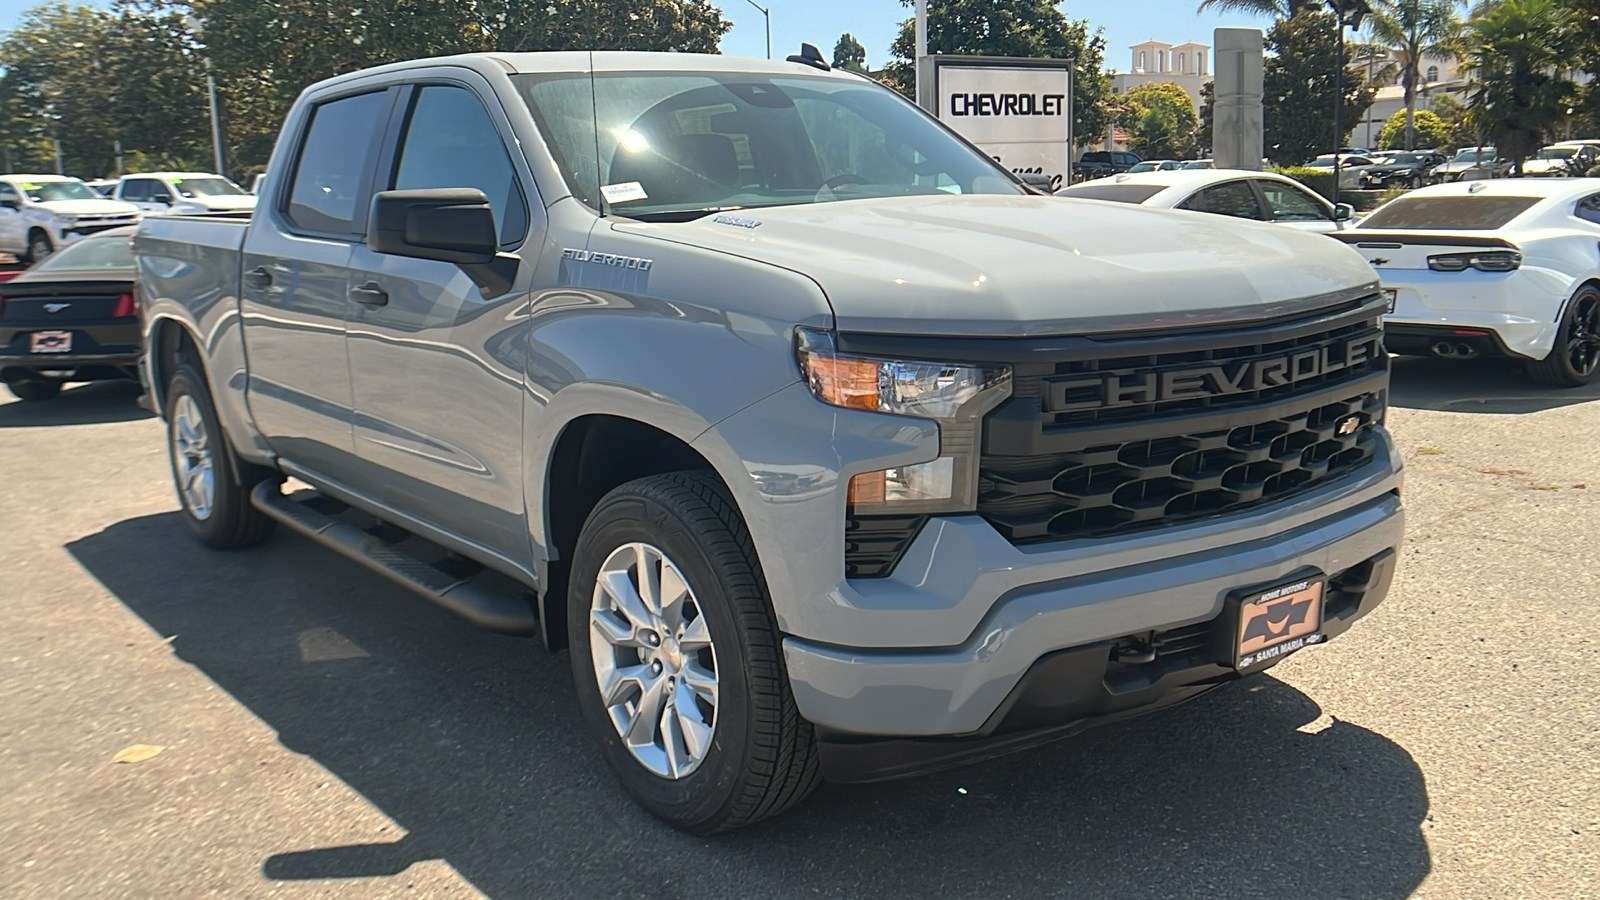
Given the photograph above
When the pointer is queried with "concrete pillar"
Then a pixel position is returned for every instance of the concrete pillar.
(1237, 121)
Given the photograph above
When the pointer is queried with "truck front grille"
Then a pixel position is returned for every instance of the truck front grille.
(1143, 437)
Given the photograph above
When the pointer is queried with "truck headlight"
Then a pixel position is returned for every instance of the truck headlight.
(954, 395)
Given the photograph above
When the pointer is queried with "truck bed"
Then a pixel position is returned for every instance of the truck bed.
(193, 260)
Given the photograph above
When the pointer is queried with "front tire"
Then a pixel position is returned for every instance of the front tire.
(677, 659)
(39, 247)
(35, 390)
(1573, 360)
(216, 505)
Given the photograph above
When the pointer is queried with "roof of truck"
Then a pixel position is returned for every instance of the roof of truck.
(577, 61)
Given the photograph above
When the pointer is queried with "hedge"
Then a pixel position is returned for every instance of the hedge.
(1321, 181)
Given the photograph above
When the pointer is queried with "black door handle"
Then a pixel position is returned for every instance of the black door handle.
(258, 278)
(370, 294)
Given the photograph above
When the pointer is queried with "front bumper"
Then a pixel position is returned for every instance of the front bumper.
(855, 693)
(1520, 309)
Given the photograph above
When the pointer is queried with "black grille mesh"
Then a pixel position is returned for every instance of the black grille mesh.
(1114, 488)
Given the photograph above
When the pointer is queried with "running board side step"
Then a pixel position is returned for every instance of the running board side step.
(377, 548)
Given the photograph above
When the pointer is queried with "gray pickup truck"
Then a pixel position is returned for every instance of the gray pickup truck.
(827, 448)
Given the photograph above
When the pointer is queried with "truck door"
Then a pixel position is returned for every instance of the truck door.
(295, 278)
(13, 233)
(437, 367)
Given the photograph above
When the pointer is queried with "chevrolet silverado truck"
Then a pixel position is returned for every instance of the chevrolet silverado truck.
(827, 448)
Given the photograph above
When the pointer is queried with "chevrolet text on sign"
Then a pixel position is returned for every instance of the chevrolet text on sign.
(1017, 111)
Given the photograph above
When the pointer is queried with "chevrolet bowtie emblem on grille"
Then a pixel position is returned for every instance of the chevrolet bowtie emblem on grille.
(55, 307)
(1378, 261)
(1349, 425)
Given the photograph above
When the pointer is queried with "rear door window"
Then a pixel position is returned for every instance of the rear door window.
(1450, 213)
(450, 142)
(136, 190)
(331, 169)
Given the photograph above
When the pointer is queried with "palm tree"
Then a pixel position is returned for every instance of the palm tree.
(1277, 9)
(1517, 53)
(1413, 29)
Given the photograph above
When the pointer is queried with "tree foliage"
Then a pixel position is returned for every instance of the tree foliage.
(91, 77)
(1428, 130)
(1413, 29)
(1298, 86)
(1026, 28)
(849, 54)
(1160, 121)
(1517, 52)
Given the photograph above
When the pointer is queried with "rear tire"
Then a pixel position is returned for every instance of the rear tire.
(35, 391)
(1573, 360)
(213, 485)
(758, 757)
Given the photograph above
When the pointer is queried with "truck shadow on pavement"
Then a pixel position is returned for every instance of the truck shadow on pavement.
(84, 404)
(471, 743)
(1479, 386)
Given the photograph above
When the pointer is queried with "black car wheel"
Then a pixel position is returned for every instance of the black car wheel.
(1416, 180)
(39, 246)
(35, 390)
(1576, 355)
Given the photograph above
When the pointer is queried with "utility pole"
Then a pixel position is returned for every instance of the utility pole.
(921, 51)
(119, 158)
(61, 168)
(765, 11)
(1346, 13)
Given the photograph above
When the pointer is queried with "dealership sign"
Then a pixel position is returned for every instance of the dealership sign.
(1018, 111)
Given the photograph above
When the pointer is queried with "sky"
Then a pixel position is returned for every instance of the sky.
(875, 22)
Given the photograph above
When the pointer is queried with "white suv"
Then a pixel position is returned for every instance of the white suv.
(40, 214)
(183, 193)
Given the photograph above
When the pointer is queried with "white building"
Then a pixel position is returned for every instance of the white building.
(1153, 62)
(1439, 75)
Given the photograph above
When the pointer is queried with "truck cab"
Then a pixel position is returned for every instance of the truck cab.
(182, 193)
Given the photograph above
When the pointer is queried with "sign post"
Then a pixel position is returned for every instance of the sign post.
(1018, 111)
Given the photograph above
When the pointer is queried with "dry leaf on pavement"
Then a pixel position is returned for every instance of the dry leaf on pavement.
(137, 753)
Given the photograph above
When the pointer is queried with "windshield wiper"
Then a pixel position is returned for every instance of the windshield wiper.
(689, 215)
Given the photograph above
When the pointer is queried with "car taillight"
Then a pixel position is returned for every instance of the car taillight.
(125, 307)
(1492, 261)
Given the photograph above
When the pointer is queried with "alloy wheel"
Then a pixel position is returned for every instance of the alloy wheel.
(191, 458)
(1583, 341)
(654, 660)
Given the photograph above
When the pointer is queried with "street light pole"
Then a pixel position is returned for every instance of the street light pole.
(768, 13)
(1346, 13)
(216, 124)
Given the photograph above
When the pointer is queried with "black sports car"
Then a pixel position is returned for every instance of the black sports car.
(1401, 168)
(71, 317)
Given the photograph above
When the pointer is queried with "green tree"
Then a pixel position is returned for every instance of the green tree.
(1413, 29)
(849, 54)
(1026, 28)
(1424, 129)
(1457, 119)
(1516, 54)
(1298, 86)
(1160, 121)
(91, 77)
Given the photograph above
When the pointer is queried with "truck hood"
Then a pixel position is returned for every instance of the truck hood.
(989, 265)
(88, 208)
(223, 202)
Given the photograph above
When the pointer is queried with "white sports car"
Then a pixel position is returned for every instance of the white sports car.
(1262, 196)
(1507, 268)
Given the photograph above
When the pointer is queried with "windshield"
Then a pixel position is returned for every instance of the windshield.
(1557, 153)
(1469, 155)
(1450, 213)
(1197, 164)
(674, 145)
(93, 253)
(1404, 158)
(206, 187)
(47, 191)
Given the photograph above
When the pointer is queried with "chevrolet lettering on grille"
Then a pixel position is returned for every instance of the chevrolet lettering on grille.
(1133, 387)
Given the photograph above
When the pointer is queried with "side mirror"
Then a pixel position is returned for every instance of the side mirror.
(454, 225)
(164, 199)
(1343, 212)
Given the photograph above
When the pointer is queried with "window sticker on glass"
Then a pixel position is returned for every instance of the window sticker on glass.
(623, 192)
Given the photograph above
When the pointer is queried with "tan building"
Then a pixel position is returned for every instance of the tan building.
(1152, 62)
(1440, 75)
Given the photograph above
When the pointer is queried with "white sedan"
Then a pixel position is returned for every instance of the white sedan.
(1505, 268)
(1262, 196)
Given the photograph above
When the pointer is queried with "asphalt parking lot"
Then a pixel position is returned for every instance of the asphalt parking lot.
(328, 735)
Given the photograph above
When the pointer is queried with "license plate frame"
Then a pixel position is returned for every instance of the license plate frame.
(1269, 624)
(46, 342)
